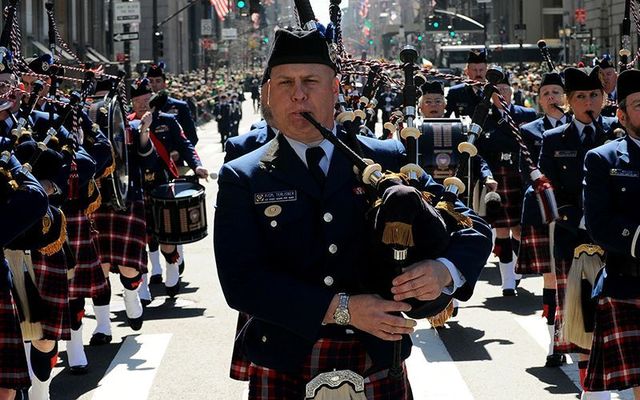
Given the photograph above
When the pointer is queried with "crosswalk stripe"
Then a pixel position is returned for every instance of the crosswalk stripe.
(432, 372)
(134, 367)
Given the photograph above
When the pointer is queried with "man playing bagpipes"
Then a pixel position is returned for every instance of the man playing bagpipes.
(612, 218)
(562, 161)
(290, 241)
(167, 136)
(23, 203)
(91, 164)
(462, 99)
(122, 231)
(535, 256)
(501, 151)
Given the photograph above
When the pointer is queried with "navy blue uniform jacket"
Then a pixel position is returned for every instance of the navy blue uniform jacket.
(180, 110)
(562, 161)
(612, 215)
(236, 146)
(461, 100)
(274, 268)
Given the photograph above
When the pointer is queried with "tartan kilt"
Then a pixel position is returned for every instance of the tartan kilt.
(614, 363)
(122, 237)
(510, 190)
(327, 355)
(53, 285)
(88, 280)
(562, 273)
(535, 250)
(239, 369)
(13, 363)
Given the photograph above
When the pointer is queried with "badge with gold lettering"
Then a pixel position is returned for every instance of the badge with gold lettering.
(275, 197)
(273, 211)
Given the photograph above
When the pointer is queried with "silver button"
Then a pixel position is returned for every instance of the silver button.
(624, 189)
(626, 232)
(274, 223)
(327, 217)
(333, 249)
(564, 167)
(264, 339)
(328, 280)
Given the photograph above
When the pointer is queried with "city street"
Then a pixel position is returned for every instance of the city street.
(494, 349)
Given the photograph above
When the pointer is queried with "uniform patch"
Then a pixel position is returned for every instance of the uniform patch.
(443, 160)
(273, 211)
(161, 128)
(275, 197)
(565, 153)
(624, 172)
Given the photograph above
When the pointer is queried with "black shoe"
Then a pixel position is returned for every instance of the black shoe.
(135, 323)
(509, 292)
(181, 268)
(555, 360)
(145, 302)
(455, 312)
(99, 339)
(172, 291)
(79, 369)
(155, 279)
(518, 282)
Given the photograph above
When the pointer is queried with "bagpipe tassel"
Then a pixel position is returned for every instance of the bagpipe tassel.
(398, 233)
(546, 197)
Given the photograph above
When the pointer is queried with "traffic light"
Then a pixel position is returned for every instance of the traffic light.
(434, 23)
(419, 38)
(370, 42)
(241, 4)
(265, 40)
(159, 38)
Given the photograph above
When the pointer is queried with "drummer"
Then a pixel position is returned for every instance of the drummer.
(167, 136)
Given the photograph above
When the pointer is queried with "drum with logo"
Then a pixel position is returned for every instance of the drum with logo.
(438, 146)
(179, 212)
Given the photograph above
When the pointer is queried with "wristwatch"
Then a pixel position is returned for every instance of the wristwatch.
(341, 315)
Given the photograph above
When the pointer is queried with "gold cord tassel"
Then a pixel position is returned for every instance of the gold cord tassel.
(462, 220)
(398, 233)
(438, 320)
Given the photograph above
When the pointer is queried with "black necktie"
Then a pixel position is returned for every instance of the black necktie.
(559, 123)
(314, 155)
(587, 140)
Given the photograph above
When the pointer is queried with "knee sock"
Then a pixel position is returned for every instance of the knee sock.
(154, 257)
(144, 288)
(549, 305)
(76, 309)
(173, 271)
(132, 304)
(101, 309)
(43, 363)
(75, 349)
(503, 250)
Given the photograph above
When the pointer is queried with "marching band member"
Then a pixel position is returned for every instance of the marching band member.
(501, 151)
(612, 218)
(535, 255)
(122, 234)
(609, 77)
(167, 137)
(562, 161)
(462, 99)
(314, 276)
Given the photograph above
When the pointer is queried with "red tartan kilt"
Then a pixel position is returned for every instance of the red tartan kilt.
(53, 285)
(562, 273)
(327, 355)
(510, 191)
(535, 252)
(614, 363)
(122, 238)
(88, 280)
(13, 364)
(239, 362)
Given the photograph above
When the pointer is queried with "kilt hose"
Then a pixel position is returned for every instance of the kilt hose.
(614, 363)
(510, 191)
(559, 344)
(122, 237)
(13, 363)
(327, 355)
(535, 250)
(88, 279)
(239, 369)
(53, 285)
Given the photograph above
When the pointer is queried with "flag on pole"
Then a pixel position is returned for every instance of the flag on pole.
(222, 8)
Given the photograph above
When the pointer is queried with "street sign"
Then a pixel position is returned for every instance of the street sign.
(581, 16)
(229, 34)
(206, 27)
(127, 12)
(120, 57)
(583, 35)
(125, 36)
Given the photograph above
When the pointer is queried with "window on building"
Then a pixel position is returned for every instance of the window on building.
(552, 4)
(551, 24)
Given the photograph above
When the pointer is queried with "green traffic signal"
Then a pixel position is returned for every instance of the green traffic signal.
(452, 34)
(419, 38)
(241, 4)
(436, 24)
(265, 39)
(371, 42)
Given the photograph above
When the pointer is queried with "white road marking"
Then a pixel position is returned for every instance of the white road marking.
(432, 372)
(133, 369)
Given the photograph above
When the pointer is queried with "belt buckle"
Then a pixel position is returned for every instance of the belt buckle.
(505, 156)
(330, 382)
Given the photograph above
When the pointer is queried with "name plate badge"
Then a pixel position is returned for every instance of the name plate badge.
(565, 153)
(624, 172)
(275, 197)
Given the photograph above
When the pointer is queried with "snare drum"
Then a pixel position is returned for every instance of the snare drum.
(179, 212)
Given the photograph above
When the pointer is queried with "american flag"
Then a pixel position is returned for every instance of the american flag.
(222, 8)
